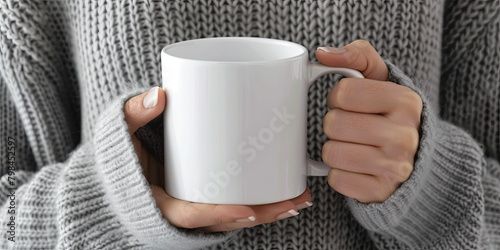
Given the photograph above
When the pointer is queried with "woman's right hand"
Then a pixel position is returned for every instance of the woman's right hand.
(143, 108)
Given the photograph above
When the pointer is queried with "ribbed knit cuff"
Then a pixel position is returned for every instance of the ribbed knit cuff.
(382, 216)
(128, 190)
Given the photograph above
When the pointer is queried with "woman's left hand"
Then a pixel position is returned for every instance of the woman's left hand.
(372, 125)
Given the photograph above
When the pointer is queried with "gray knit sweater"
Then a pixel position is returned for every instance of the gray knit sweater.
(70, 178)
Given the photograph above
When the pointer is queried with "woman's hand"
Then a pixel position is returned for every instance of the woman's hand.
(140, 110)
(372, 125)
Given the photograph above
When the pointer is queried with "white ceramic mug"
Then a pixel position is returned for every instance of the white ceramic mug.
(236, 119)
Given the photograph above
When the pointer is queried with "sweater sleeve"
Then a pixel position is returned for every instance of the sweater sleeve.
(451, 199)
(97, 199)
(129, 193)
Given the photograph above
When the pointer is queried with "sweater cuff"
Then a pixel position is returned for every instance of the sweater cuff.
(129, 192)
(385, 215)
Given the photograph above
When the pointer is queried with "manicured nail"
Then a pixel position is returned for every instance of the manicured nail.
(248, 219)
(304, 205)
(151, 99)
(287, 214)
(333, 50)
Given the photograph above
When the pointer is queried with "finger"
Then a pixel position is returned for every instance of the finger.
(362, 187)
(353, 157)
(394, 101)
(363, 159)
(268, 213)
(186, 214)
(263, 214)
(303, 200)
(143, 108)
(359, 55)
(371, 129)
(276, 211)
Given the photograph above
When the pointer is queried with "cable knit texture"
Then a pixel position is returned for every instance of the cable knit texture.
(68, 66)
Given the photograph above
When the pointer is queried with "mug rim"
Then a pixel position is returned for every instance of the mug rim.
(261, 39)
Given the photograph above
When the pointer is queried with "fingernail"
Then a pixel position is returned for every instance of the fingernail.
(332, 50)
(248, 219)
(304, 205)
(151, 99)
(287, 214)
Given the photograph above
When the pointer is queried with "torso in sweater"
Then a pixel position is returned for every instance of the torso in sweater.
(106, 47)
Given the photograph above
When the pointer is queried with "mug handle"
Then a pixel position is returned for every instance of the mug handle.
(316, 69)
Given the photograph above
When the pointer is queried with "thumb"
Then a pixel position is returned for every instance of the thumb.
(359, 55)
(143, 108)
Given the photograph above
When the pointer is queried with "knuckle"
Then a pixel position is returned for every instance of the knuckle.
(396, 173)
(417, 105)
(327, 152)
(354, 56)
(360, 43)
(220, 219)
(362, 49)
(389, 177)
(404, 170)
(414, 98)
(410, 100)
(342, 90)
(131, 105)
(413, 138)
(333, 181)
(406, 138)
(330, 99)
(329, 122)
